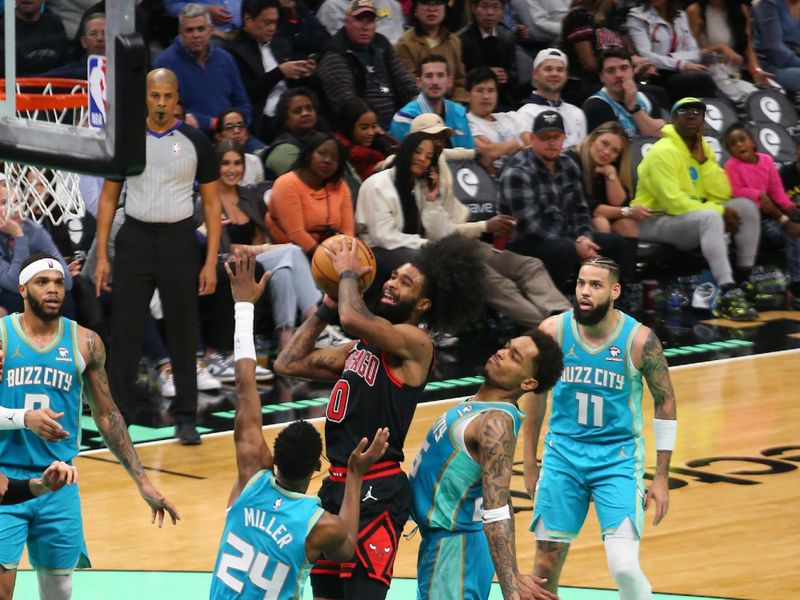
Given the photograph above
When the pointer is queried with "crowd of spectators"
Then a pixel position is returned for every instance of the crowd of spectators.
(359, 116)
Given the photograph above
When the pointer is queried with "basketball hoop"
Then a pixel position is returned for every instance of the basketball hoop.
(35, 192)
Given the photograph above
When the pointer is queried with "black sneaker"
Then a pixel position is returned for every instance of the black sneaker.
(734, 305)
(187, 434)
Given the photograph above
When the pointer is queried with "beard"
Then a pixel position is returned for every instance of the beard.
(38, 309)
(593, 316)
(395, 313)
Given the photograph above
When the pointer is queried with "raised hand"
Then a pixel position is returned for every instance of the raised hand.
(345, 258)
(360, 460)
(244, 286)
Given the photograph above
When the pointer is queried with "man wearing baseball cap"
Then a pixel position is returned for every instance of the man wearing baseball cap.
(542, 189)
(690, 197)
(549, 76)
(390, 23)
(360, 63)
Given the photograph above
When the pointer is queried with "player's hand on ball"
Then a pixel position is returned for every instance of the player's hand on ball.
(43, 423)
(241, 271)
(159, 505)
(361, 460)
(59, 474)
(345, 258)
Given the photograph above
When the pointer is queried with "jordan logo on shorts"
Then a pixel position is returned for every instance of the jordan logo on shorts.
(369, 495)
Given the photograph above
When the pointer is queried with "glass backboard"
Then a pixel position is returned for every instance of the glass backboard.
(115, 148)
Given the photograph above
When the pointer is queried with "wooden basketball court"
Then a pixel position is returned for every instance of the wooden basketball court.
(731, 530)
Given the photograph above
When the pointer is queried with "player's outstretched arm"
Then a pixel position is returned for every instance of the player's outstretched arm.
(252, 452)
(495, 449)
(655, 370)
(300, 358)
(402, 341)
(112, 426)
(335, 535)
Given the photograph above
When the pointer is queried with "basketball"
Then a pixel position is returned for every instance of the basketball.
(326, 277)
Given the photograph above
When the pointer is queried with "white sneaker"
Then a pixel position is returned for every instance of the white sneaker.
(205, 381)
(166, 383)
(332, 337)
(221, 369)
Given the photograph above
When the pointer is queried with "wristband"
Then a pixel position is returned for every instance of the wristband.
(348, 275)
(325, 313)
(634, 109)
(665, 431)
(12, 418)
(243, 345)
(625, 212)
(783, 220)
(493, 515)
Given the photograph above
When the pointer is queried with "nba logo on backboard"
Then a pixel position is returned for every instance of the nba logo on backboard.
(97, 91)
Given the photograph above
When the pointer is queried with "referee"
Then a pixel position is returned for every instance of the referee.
(157, 247)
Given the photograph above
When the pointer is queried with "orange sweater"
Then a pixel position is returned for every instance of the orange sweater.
(299, 214)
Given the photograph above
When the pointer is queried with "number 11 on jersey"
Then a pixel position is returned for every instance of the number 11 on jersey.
(583, 409)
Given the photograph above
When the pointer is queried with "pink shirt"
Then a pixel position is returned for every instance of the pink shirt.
(751, 180)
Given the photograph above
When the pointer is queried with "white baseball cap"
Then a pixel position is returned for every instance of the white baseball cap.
(550, 54)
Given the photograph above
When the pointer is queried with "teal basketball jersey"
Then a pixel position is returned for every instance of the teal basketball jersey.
(598, 398)
(263, 550)
(446, 486)
(36, 378)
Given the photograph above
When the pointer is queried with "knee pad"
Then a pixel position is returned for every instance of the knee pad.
(54, 587)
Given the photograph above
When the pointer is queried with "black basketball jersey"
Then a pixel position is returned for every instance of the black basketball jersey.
(368, 396)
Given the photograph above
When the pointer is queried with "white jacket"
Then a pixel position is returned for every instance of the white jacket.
(653, 38)
(543, 17)
(379, 215)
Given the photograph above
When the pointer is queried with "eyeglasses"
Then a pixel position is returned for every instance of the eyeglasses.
(232, 126)
(690, 112)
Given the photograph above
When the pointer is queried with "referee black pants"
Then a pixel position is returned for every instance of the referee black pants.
(149, 256)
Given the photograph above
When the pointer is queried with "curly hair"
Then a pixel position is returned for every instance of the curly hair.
(550, 361)
(297, 451)
(455, 281)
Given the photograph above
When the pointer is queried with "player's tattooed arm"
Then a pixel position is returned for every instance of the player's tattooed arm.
(299, 358)
(113, 429)
(496, 443)
(656, 373)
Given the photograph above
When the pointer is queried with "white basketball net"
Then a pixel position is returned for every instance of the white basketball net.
(38, 193)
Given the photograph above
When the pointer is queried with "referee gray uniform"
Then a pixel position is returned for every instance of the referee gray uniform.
(157, 247)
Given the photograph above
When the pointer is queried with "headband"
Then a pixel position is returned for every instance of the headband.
(36, 267)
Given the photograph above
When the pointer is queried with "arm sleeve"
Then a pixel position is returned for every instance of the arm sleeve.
(715, 181)
(286, 208)
(770, 39)
(18, 491)
(775, 187)
(400, 127)
(546, 16)
(581, 216)
(336, 79)
(239, 97)
(518, 199)
(376, 197)
(691, 51)
(640, 36)
(404, 56)
(173, 7)
(597, 112)
(346, 206)
(740, 187)
(9, 271)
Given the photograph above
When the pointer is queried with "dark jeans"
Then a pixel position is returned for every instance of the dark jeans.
(561, 260)
(150, 256)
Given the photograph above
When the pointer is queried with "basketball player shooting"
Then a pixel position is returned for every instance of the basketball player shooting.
(379, 380)
(269, 494)
(49, 362)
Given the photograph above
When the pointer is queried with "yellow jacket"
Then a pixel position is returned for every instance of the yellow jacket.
(671, 181)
